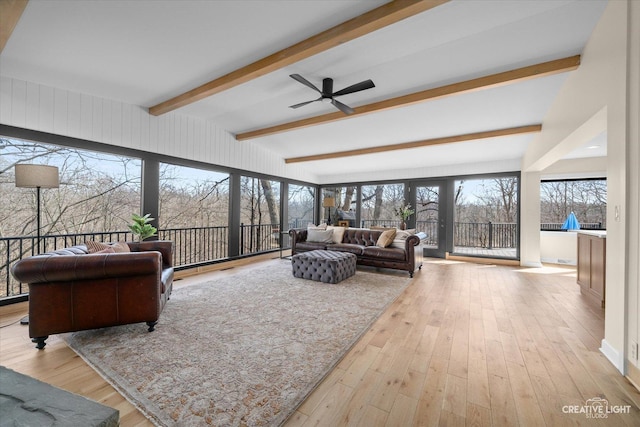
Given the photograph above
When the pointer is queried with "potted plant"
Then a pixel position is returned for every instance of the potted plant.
(404, 212)
(142, 228)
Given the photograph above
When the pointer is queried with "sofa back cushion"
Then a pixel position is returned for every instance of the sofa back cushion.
(361, 236)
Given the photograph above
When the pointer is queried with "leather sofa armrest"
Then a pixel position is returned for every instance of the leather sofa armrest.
(297, 235)
(410, 243)
(165, 247)
(60, 268)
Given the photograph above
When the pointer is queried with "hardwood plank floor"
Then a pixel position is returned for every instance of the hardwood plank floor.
(465, 344)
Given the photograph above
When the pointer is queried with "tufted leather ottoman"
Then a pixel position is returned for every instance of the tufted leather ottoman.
(324, 266)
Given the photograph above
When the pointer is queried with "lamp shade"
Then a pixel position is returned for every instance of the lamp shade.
(33, 176)
(328, 202)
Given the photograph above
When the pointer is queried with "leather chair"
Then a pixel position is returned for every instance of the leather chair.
(72, 290)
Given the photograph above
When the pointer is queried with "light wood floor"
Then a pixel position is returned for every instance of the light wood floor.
(465, 344)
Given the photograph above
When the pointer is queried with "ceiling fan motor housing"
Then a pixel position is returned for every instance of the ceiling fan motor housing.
(327, 88)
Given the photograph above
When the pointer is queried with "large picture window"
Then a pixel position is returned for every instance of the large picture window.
(194, 212)
(98, 192)
(379, 203)
(301, 205)
(586, 198)
(259, 215)
(339, 204)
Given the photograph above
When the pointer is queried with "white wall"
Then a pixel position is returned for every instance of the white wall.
(46, 109)
(426, 172)
(594, 99)
(557, 247)
(633, 181)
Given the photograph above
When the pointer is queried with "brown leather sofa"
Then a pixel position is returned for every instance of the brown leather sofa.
(73, 290)
(363, 243)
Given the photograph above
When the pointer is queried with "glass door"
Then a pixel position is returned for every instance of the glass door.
(430, 217)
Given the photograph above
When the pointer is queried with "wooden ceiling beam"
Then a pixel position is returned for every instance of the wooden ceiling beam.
(417, 144)
(480, 83)
(366, 23)
(10, 13)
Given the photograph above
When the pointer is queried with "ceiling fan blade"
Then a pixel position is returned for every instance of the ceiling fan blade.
(367, 84)
(302, 104)
(299, 78)
(342, 107)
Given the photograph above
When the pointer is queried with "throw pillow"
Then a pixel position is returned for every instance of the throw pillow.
(317, 227)
(93, 246)
(108, 250)
(320, 236)
(338, 233)
(386, 238)
(400, 238)
(121, 247)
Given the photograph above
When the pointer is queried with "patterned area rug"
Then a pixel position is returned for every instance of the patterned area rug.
(245, 349)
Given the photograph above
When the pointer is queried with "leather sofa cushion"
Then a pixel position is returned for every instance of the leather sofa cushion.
(310, 246)
(347, 247)
(394, 254)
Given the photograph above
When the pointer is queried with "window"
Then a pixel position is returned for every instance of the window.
(587, 199)
(301, 205)
(338, 204)
(98, 192)
(259, 215)
(379, 203)
(194, 213)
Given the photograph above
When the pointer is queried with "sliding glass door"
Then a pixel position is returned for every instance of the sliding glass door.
(430, 217)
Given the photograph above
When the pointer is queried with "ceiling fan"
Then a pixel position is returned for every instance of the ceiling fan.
(327, 94)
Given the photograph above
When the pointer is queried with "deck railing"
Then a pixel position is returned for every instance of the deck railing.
(193, 246)
(201, 245)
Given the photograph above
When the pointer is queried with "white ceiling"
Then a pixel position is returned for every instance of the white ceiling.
(145, 52)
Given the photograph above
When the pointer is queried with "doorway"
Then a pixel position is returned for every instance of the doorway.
(429, 200)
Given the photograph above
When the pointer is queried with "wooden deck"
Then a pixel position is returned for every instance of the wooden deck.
(484, 252)
(465, 344)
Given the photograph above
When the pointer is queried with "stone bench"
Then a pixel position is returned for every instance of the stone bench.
(25, 401)
(324, 266)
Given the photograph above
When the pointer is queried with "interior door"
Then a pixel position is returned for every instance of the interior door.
(430, 217)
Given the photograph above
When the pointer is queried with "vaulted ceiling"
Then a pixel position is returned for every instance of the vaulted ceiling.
(456, 82)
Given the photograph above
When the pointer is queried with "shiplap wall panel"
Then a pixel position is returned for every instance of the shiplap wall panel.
(86, 117)
(96, 119)
(73, 114)
(47, 104)
(105, 125)
(144, 129)
(18, 109)
(34, 106)
(60, 112)
(5, 100)
(125, 114)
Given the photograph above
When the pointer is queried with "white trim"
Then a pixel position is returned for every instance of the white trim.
(613, 355)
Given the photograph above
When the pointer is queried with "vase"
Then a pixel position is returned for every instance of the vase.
(403, 225)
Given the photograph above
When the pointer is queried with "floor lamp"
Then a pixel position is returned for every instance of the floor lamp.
(36, 176)
(329, 202)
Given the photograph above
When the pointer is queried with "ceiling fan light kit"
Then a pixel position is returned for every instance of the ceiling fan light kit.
(327, 95)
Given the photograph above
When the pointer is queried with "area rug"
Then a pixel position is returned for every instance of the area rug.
(245, 349)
